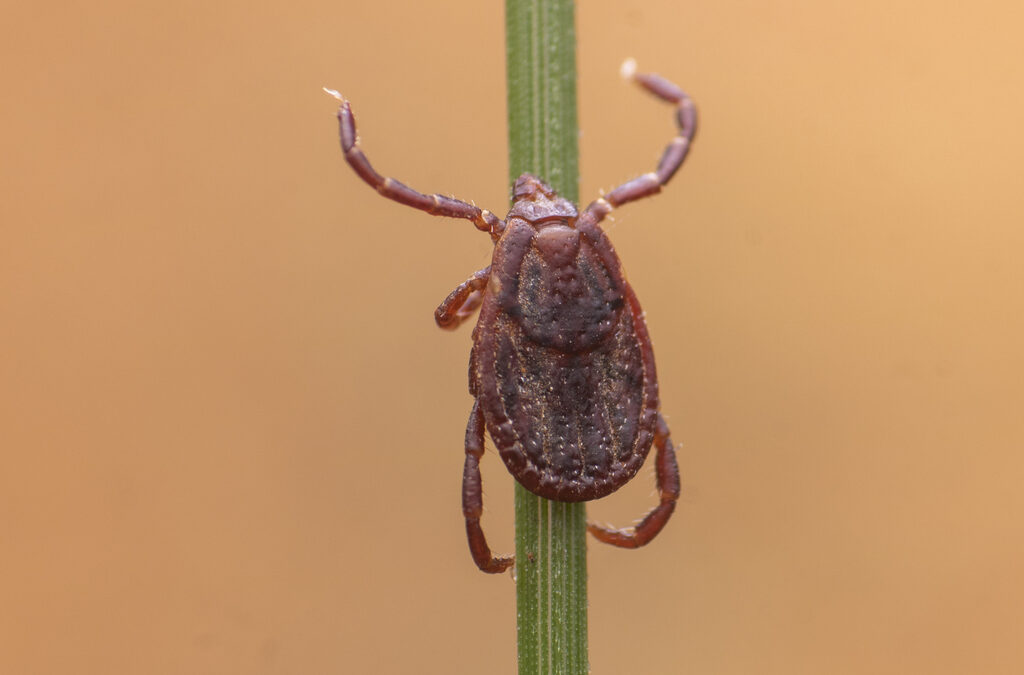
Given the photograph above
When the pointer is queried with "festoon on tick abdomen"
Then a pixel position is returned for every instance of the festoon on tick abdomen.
(561, 370)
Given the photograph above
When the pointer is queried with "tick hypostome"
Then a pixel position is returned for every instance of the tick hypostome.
(561, 370)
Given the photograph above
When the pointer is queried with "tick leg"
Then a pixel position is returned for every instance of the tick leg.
(651, 183)
(435, 204)
(667, 472)
(463, 301)
(472, 497)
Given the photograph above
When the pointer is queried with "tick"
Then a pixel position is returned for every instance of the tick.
(561, 370)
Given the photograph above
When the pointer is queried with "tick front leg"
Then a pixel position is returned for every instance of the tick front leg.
(472, 497)
(651, 183)
(463, 301)
(435, 204)
(667, 472)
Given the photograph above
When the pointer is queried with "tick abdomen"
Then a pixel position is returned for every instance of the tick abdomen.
(563, 368)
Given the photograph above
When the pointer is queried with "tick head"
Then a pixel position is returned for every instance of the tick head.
(529, 186)
(537, 203)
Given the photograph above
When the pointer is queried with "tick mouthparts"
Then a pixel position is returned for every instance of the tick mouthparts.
(334, 93)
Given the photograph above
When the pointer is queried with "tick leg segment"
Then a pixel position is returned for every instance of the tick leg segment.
(463, 301)
(472, 497)
(667, 472)
(651, 183)
(435, 204)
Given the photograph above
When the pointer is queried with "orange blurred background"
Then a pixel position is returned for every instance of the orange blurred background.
(232, 434)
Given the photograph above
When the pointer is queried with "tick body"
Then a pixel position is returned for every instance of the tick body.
(561, 370)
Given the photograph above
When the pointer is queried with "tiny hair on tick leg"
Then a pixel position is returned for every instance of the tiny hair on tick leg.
(561, 370)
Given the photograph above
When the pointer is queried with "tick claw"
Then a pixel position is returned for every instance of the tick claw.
(628, 69)
(334, 93)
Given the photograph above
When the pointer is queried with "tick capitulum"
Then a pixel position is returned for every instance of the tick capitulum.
(561, 370)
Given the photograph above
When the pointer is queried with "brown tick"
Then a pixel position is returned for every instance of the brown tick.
(561, 370)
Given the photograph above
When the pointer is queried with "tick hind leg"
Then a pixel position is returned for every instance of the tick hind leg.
(472, 498)
(651, 183)
(667, 472)
(463, 301)
(435, 204)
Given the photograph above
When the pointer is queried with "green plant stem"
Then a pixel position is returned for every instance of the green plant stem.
(551, 553)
